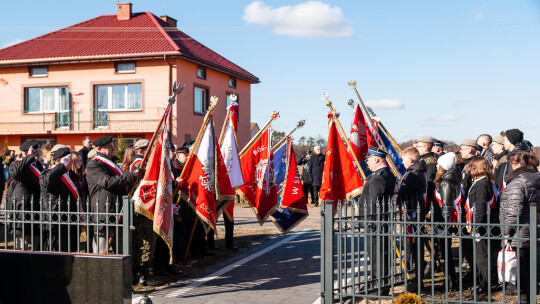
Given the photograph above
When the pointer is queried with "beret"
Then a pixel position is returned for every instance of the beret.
(25, 146)
(61, 152)
(103, 140)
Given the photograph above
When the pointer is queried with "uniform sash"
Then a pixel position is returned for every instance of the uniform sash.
(109, 164)
(135, 162)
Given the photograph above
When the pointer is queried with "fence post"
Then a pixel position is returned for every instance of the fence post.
(532, 252)
(127, 222)
(327, 252)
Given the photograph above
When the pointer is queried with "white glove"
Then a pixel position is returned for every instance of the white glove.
(65, 160)
(176, 209)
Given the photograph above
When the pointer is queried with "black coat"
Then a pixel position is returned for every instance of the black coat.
(449, 189)
(24, 183)
(466, 178)
(105, 185)
(177, 168)
(431, 165)
(379, 187)
(316, 167)
(84, 153)
(413, 186)
(480, 193)
(55, 193)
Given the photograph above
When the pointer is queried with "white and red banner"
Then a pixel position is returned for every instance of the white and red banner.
(204, 180)
(153, 197)
(340, 179)
(360, 134)
(260, 190)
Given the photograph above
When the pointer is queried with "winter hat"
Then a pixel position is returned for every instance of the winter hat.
(447, 161)
(514, 136)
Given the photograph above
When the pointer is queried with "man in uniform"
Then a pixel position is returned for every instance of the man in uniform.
(60, 191)
(438, 148)
(378, 189)
(23, 194)
(106, 185)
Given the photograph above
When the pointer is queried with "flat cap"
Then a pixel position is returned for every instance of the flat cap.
(425, 139)
(514, 136)
(56, 147)
(61, 152)
(470, 143)
(103, 140)
(499, 140)
(29, 143)
(375, 151)
(92, 153)
(140, 144)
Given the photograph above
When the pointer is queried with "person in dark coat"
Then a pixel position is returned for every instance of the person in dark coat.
(438, 147)
(23, 194)
(484, 142)
(378, 190)
(412, 191)
(447, 197)
(424, 147)
(60, 191)
(306, 177)
(87, 146)
(481, 197)
(107, 184)
(315, 169)
(500, 159)
(522, 188)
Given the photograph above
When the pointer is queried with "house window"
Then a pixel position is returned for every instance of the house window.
(199, 100)
(39, 71)
(201, 73)
(232, 82)
(119, 97)
(125, 67)
(46, 100)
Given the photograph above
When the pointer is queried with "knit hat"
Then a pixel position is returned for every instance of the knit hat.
(425, 139)
(447, 161)
(470, 143)
(499, 140)
(514, 136)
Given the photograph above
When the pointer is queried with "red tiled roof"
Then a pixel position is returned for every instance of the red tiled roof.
(106, 37)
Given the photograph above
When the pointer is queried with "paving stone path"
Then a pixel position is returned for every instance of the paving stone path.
(285, 269)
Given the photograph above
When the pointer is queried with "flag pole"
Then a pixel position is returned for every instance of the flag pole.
(300, 124)
(394, 143)
(352, 84)
(171, 100)
(233, 98)
(329, 104)
(275, 115)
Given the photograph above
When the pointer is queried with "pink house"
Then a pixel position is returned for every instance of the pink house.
(112, 75)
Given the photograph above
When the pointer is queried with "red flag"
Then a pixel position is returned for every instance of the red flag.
(153, 197)
(340, 179)
(260, 190)
(359, 131)
(293, 196)
(199, 184)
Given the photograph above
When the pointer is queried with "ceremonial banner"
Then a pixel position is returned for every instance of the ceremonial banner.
(361, 137)
(340, 179)
(280, 166)
(293, 206)
(229, 152)
(260, 190)
(153, 196)
(393, 153)
(204, 178)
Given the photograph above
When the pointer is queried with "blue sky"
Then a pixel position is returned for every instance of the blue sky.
(448, 69)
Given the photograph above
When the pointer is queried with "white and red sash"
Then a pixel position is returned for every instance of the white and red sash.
(69, 183)
(490, 203)
(454, 218)
(109, 163)
(32, 167)
(135, 162)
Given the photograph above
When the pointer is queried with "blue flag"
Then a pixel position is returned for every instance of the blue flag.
(393, 153)
(280, 166)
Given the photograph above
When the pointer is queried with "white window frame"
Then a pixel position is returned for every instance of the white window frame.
(204, 101)
(110, 98)
(233, 80)
(125, 71)
(39, 75)
(203, 71)
(56, 100)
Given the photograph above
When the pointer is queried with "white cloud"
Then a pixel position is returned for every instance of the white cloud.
(10, 43)
(385, 104)
(537, 94)
(311, 19)
(467, 100)
(478, 17)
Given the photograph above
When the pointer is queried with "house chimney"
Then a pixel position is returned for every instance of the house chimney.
(170, 21)
(123, 11)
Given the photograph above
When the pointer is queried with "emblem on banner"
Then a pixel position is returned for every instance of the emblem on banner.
(261, 178)
(148, 192)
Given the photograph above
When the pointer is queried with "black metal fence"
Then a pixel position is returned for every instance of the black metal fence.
(49, 225)
(376, 253)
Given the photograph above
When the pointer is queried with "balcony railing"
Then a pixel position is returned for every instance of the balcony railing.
(84, 120)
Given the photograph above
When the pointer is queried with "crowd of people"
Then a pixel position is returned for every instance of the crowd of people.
(55, 179)
(496, 177)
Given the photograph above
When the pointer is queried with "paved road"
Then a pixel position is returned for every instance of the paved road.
(285, 269)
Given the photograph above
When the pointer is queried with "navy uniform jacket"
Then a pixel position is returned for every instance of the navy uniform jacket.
(379, 186)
